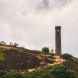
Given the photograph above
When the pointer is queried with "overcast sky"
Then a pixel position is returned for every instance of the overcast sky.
(31, 23)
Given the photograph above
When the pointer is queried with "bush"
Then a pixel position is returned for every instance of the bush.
(45, 50)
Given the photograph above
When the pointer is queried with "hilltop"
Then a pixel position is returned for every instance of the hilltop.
(20, 57)
(24, 60)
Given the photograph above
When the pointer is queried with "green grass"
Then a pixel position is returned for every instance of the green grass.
(57, 71)
(2, 55)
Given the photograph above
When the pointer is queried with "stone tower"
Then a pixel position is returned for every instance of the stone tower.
(58, 40)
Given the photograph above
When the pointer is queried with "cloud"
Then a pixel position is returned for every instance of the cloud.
(32, 25)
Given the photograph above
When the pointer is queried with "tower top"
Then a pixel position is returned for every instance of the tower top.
(57, 27)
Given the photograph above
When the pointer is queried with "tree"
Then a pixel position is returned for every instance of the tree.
(45, 50)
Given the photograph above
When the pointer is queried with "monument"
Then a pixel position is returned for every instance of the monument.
(58, 40)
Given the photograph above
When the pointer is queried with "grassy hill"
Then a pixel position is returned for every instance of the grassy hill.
(19, 58)
(71, 64)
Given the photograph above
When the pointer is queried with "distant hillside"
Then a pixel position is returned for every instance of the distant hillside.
(71, 62)
(18, 58)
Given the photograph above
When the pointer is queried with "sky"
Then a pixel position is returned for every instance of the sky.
(31, 23)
